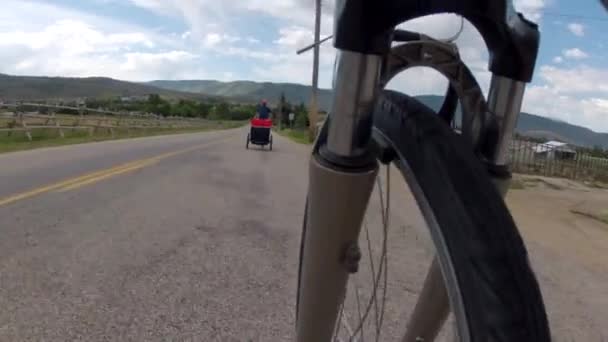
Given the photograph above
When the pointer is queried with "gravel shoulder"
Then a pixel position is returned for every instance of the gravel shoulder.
(568, 252)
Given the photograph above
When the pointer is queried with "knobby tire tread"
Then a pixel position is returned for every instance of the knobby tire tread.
(501, 297)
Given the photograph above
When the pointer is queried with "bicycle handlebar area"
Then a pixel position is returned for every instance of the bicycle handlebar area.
(367, 26)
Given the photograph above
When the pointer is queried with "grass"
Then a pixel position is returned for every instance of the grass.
(597, 184)
(517, 184)
(601, 216)
(298, 135)
(50, 137)
(521, 183)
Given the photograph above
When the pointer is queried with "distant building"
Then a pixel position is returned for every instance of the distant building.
(555, 150)
(134, 98)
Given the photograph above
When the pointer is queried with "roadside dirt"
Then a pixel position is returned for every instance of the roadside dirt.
(569, 252)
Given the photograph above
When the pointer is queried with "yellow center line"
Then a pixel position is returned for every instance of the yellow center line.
(47, 188)
(94, 177)
(101, 177)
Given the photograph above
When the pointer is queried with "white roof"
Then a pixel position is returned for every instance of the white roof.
(553, 145)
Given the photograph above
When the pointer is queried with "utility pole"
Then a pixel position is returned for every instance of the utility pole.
(312, 113)
(281, 108)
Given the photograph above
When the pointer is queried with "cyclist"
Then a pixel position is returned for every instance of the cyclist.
(262, 111)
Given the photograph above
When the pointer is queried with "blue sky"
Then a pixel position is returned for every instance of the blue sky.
(143, 40)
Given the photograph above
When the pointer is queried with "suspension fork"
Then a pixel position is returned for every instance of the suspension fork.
(341, 179)
(504, 100)
(342, 175)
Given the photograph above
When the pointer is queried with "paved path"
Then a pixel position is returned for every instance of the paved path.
(193, 238)
(199, 244)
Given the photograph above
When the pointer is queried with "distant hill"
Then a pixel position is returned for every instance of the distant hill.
(34, 88)
(528, 124)
(249, 90)
(542, 127)
(30, 88)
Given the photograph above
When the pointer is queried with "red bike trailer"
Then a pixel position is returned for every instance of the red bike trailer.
(259, 134)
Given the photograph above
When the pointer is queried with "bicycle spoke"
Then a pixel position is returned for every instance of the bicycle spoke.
(385, 221)
(382, 269)
(348, 327)
(359, 308)
(432, 307)
(371, 262)
(375, 298)
(339, 321)
(370, 302)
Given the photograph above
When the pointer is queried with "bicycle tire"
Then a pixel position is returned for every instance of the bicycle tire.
(500, 296)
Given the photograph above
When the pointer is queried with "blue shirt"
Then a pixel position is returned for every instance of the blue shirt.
(263, 111)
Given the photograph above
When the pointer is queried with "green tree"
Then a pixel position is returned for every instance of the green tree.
(155, 100)
(203, 109)
(223, 111)
(598, 151)
(280, 112)
(301, 119)
(301, 112)
(185, 108)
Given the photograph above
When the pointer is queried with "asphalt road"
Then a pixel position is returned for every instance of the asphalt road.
(184, 237)
(194, 238)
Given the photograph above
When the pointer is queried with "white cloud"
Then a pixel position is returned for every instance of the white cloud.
(290, 67)
(587, 111)
(532, 9)
(295, 37)
(578, 80)
(163, 65)
(205, 15)
(601, 103)
(558, 59)
(575, 53)
(74, 37)
(577, 29)
(578, 95)
(263, 55)
(136, 59)
(419, 81)
(296, 12)
(212, 39)
(70, 46)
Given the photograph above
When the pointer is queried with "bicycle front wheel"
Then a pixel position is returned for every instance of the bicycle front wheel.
(480, 264)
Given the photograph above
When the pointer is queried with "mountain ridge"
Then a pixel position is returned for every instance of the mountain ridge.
(40, 87)
(528, 124)
(250, 90)
(46, 87)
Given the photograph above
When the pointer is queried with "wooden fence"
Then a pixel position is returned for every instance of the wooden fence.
(557, 161)
(16, 118)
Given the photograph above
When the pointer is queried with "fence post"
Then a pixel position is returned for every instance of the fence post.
(530, 157)
(577, 158)
(13, 124)
(54, 118)
(28, 134)
(80, 116)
